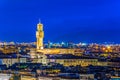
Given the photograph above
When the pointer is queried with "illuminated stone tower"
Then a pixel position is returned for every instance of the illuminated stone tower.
(39, 36)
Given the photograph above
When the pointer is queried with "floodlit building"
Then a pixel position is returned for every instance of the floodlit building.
(10, 61)
(5, 76)
(39, 36)
(86, 76)
(48, 78)
(67, 60)
(28, 78)
(39, 54)
(40, 45)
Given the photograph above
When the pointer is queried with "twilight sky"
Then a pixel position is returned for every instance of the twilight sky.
(64, 20)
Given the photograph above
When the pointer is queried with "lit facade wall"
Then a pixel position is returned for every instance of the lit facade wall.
(28, 78)
(5, 76)
(11, 61)
(82, 62)
(72, 62)
(59, 51)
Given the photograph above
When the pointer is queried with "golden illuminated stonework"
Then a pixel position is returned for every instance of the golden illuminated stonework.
(40, 47)
(39, 36)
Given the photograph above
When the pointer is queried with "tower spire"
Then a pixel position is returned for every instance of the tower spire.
(39, 20)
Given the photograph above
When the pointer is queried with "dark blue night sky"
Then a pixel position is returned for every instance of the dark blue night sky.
(64, 20)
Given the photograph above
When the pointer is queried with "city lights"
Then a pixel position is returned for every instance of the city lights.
(59, 40)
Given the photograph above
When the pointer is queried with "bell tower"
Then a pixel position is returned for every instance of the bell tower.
(39, 36)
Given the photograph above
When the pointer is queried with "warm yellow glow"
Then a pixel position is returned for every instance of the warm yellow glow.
(108, 47)
(103, 49)
(57, 51)
(39, 36)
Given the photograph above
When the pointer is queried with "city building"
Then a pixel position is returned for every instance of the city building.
(39, 36)
(27, 78)
(40, 46)
(10, 60)
(5, 76)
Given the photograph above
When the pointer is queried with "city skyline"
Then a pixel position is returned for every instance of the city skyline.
(75, 21)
